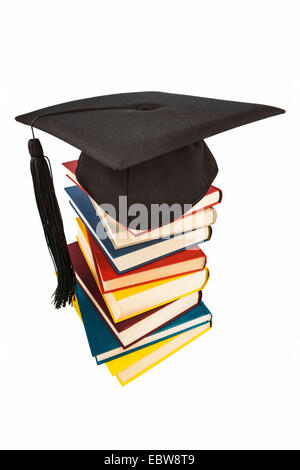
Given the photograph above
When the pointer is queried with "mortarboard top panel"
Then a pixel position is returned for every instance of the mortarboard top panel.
(156, 124)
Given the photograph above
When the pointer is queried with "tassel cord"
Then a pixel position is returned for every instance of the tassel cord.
(53, 226)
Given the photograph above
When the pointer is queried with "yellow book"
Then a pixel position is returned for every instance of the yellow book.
(131, 366)
(83, 242)
(76, 306)
(129, 302)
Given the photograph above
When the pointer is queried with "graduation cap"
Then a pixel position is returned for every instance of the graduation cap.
(148, 146)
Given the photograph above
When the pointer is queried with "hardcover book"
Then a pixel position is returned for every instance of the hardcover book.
(128, 368)
(132, 301)
(122, 236)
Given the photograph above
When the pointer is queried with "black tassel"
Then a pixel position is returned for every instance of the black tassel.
(52, 223)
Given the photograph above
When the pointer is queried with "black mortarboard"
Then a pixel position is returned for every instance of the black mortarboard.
(148, 146)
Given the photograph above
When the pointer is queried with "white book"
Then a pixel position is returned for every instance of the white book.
(121, 236)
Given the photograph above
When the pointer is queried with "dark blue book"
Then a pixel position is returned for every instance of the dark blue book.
(131, 257)
(105, 347)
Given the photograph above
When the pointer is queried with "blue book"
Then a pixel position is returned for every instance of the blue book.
(105, 347)
(131, 257)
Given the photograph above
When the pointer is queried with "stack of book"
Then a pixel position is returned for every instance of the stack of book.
(139, 293)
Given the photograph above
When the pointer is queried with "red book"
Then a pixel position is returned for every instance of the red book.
(133, 329)
(183, 262)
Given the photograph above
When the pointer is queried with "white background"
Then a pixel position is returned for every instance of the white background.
(238, 386)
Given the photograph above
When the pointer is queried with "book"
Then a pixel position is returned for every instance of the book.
(132, 301)
(129, 331)
(128, 368)
(183, 262)
(105, 347)
(128, 258)
(190, 220)
(85, 247)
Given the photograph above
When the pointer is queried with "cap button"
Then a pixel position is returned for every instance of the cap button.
(145, 107)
